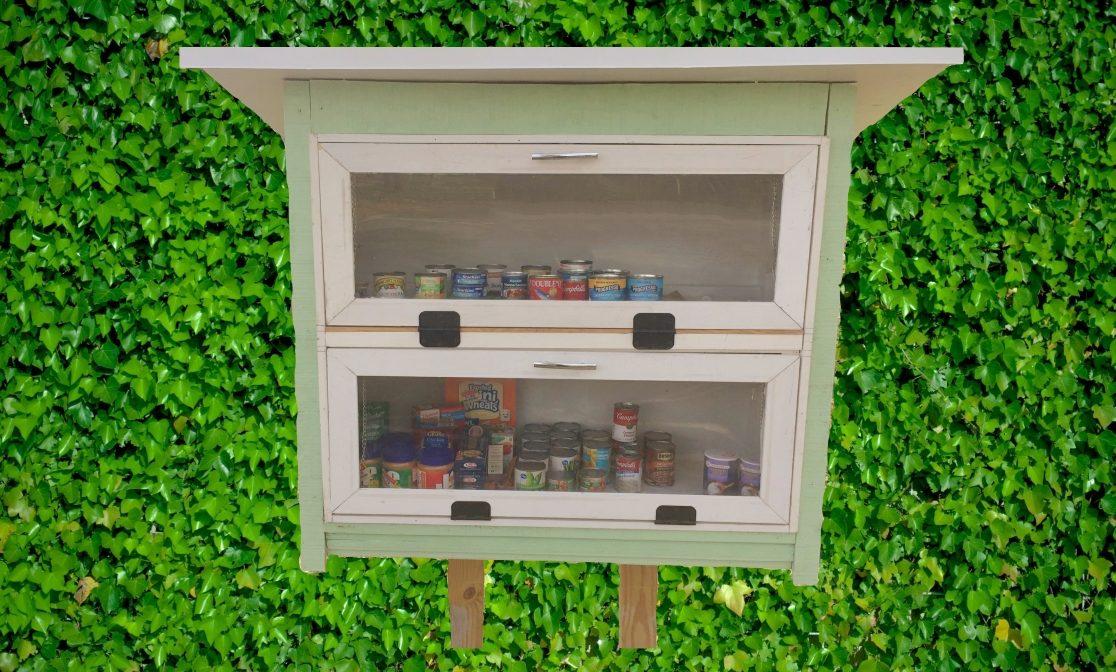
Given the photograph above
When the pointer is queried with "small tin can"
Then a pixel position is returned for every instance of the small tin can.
(591, 480)
(534, 444)
(513, 285)
(595, 434)
(628, 472)
(430, 286)
(607, 287)
(645, 287)
(575, 286)
(565, 436)
(468, 292)
(544, 287)
(530, 475)
(656, 435)
(625, 417)
(532, 270)
(560, 481)
(597, 455)
(567, 427)
(444, 269)
(494, 277)
(615, 271)
(563, 459)
(749, 477)
(536, 427)
(575, 266)
(544, 437)
(389, 285)
(565, 444)
(470, 276)
(534, 455)
(658, 463)
(720, 472)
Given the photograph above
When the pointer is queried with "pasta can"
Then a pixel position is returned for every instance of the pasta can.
(544, 287)
(625, 417)
(430, 286)
(389, 285)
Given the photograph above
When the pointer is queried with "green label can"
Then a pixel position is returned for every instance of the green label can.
(430, 286)
(530, 475)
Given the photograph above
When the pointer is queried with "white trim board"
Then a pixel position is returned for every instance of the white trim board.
(884, 75)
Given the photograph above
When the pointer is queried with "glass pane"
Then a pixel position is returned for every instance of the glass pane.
(711, 237)
(685, 438)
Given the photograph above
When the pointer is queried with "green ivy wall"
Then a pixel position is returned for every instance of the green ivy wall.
(149, 511)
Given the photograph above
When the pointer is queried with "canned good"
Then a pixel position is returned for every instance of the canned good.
(625, 417)
(563, 459)
(494, 280)
(532, 444)
(544, 437)
(468, 292)
(513, 285)
(749, 477)
(536, 427)
(658, 463)
(720, 472)
(567, 426)
(535, 270)
(544, 287)
(389, 285)
(612, 271)
(430, 286)
(591, 480)
(607, 287)
(597, 455)
(575, 286)
(628, 470)
(501, 448)
(565, 436)
(564, 443)
(575, 266)
(560, 481)
(656, 435)
(398, 454)
(595, 434)
(530, 475)
(363, 290)
(470, 276)
(645, 287)
(444, 269)
(534, 455)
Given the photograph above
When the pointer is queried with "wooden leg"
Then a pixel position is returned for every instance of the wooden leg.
(639, 589)
(466, 603)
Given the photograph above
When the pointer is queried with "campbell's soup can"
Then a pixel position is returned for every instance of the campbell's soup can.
(575, 286)
(607, 287)
(494, 280)
(513, 285)
(389, 285)
(430, 286)
(625, 417)
(628, 468)
(645, 287)
(544, 287)
(535, 269)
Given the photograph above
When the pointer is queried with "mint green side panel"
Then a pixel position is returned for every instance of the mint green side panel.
(824, 345)
(488, 542)
(555, 109)
(296, 111)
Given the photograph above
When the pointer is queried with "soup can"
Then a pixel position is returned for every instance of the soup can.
(565, 444)
(575, 266)
(513, 285)
(720, 472)
(536, 427)
(567, 427)
(563, 459)
(597, 455)
(560, 481)
(389, 285)
(575, 286)
(658, 463)
(595, 434)
(625, 417)
(430, 285)
(591, 480)
(470, 276)
(656, 435)
(537, 269)
(468, 292)
(530, 475)
(607, 287)
(494, 277)
(544, 287)
(628, 471)
(645, 287)
(749, 477)
(544, 437)
(565, 436)
(444, 269)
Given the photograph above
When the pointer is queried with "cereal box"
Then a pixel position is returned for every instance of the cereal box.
(486, 400)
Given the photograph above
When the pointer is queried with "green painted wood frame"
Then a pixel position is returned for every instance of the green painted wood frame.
(330, 107)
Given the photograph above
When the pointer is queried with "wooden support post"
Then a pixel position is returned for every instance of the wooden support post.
(639, 591)
(466, 603)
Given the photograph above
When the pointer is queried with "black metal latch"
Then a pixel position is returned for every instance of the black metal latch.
(470, 511)
(653, 331)
(676, 515)
(439, 329)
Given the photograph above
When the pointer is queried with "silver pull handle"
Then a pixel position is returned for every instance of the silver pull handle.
(548, 156)
(566, 366)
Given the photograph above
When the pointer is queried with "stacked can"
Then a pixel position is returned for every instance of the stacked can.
(575, 279)
(469, 283)
(625, 418)
(535, 269)
(470, 470)
(658, 459)
(494, 278)
(530, 474)
(628, 468)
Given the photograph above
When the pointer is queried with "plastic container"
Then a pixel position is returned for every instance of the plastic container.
(370, 464)
(720, 472)
(397, 451)
(434, 470)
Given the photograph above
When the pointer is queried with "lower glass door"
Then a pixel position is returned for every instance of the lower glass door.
(577, 436)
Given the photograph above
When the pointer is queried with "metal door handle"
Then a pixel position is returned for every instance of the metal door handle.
(566, 366)
(547, 156)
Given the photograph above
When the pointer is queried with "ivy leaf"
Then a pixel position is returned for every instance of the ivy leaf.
(474, 23)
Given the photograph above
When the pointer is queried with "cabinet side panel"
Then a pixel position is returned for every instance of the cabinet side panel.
(823, 345)
(556, 109)
(304, 309)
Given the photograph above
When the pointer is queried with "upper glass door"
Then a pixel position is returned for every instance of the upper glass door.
(415, 226)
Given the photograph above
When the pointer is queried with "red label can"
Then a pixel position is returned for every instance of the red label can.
(575, 286)
(545, 287)
(625, 417)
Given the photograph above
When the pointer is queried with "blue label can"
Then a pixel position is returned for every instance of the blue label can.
(468, 291)
(645, 287)
(608, 287)
(470, 276)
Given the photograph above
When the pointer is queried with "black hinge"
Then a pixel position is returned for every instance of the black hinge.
(653, 331)
(439, 329)
(470, 511)
(676, 515)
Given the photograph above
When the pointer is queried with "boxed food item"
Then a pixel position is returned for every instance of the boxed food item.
(488, 401)
(501, 443)
(431, 416)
